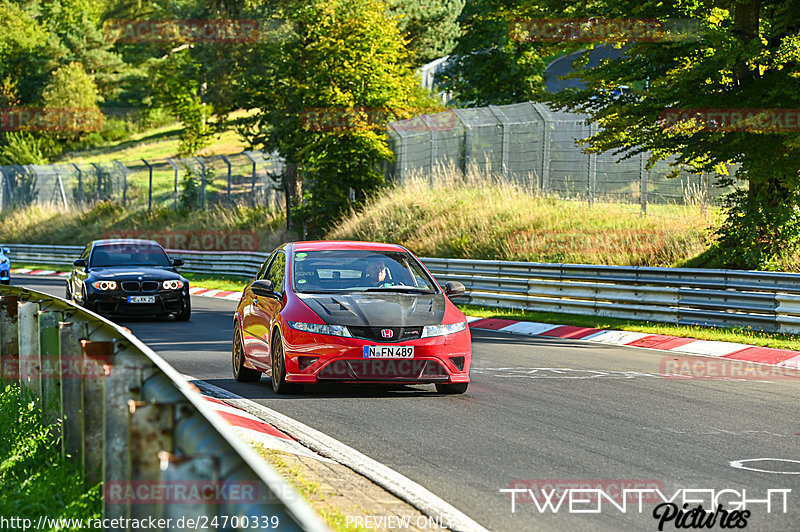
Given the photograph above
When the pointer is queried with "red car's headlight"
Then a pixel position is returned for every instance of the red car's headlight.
(333, 330)
(441, 330)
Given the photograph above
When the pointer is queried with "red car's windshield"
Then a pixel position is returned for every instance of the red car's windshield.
(359, 270)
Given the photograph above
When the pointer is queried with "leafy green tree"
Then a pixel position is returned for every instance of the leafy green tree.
(431, 26)
(488, 65)
(346, 58)
(744, 55)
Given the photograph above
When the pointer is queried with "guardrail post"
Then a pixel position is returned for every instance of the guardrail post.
(70, 363)
(29, 361)
(151, 432)
(199, 469)
(9, 344)
(96, 355)
(123, 384)
(49, 373)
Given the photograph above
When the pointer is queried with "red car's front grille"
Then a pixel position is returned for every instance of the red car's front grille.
(386, 334)
(384, 369)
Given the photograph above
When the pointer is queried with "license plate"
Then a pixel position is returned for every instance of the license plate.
(388, 351)
(141, 299)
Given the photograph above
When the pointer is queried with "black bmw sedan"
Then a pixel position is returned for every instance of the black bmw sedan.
(129, 277)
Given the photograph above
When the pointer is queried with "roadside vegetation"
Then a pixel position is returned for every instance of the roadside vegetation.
(37, 480)
(482, 218)
(47, 225)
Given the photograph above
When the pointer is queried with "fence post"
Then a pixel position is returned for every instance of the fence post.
(643, 182)
(433, 154)
(704, 192)
(151, 433)
(29, 361)
(202, 182)
(150, 185)
(99, 179)
(228, 163)
(504, 139)
(546, 139)
(80, 183)
(124, 182)
(175, 190)
(9, 343)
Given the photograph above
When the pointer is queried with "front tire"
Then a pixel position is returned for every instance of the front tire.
(279, 384)
(452, 389)
(186, 311)
(240, 372)
(68, 293)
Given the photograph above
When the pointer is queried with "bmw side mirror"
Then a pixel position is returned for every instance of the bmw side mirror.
(263, 287)
(454, 289)
(178, 262)
(79, 263)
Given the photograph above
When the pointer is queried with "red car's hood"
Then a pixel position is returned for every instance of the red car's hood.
(382, 309)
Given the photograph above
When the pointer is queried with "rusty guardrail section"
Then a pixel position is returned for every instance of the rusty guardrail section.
(132, 421)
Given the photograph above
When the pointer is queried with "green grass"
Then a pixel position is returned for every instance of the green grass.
(36, 480)
(733, 334)
(479, 218)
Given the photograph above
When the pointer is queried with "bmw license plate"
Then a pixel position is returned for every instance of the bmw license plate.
(388, 351)
(141, 299)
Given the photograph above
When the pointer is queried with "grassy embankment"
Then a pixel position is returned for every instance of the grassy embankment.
(36, 479)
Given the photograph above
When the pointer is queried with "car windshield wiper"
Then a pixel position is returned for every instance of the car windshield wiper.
(399, 289)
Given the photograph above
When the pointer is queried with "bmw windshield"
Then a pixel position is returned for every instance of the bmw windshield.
(128, 254)
(359, 271)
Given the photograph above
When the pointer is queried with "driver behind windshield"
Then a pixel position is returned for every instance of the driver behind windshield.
(376, 273)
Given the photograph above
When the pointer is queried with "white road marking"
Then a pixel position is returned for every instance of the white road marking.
(738, 465)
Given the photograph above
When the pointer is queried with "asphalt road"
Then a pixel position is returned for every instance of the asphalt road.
(546, 409)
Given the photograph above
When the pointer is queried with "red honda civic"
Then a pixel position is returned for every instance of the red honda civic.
(350, 312)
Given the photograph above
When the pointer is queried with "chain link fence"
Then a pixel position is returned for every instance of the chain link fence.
(195, 182)
(535, 147)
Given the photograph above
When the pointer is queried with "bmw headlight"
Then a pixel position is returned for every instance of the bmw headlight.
(441, 330)
(333, 330)
(172, 285)
(105, 285)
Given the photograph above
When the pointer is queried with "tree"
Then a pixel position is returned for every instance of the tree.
(431, 26)
(341, 57)
(745, 55)
(488, 66)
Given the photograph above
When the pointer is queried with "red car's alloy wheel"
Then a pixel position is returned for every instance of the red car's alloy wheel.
(279, 384)
(240, 372)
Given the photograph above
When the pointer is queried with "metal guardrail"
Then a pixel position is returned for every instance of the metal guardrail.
(768, 301)
(134, 422)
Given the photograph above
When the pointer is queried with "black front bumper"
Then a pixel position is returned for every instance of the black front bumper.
(116, 304)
